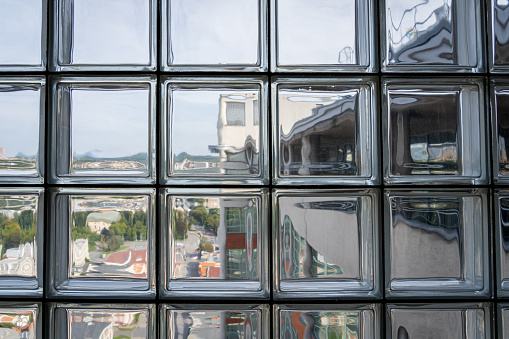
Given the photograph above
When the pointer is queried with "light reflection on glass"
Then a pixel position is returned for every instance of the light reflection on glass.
(109, 237)
(214, 238)
(500, 32)
(18, 323)
(107, 323)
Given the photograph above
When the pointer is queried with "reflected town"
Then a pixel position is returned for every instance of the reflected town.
(17, 323)
(107, 324)
(109, 236)
(19, 162)
(18, 235)
(215, 324)
(325, 324)
(214, 238)
(234, 149)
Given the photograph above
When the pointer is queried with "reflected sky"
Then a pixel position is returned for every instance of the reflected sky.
(317, 32)
(213, 32)
(20, 32)
(19, 115)
(111, 32)
(110, 123)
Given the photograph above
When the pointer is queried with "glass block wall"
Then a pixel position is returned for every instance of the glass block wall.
(255, 169)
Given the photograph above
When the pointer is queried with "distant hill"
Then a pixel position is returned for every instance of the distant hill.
(89, 156)
(208, 158)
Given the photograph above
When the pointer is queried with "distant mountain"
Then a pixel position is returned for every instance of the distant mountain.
(90, 156)
(22, 155)
(180, 157)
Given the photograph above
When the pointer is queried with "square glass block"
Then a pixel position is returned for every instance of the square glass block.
(23, 35)
(103, 130)
(434, 131)
(327, 321)
(104, 35)
(451, 321)
(214, 243)
(21, 243)
(214, 321)
(224, 35)
(498, 32)
(326, 244)
(503, 320)
(326, 131)
(500, 129)
(102, 243)
(502, 242)
(22, 116)
(20, 320)
(437, 243)
(214, 131)
(126, 321)
(323, 36)
(432, 36)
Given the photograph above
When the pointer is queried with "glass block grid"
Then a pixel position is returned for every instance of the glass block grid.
(277, 169)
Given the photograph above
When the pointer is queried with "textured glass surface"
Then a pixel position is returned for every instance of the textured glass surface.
(226, 321)
(326, 131)
(437, 243)
(500, 125)
(326, 243)
(21, 129)
(502, 236)
(434, 133)
(214, 35)
(20, 320)
(104, 128)
(215, 242)
(106, 242)
(499, 49)
(322, 36)
(212, 133)
(21, 224)
(22, 35)
(503, 321)
(438, 321)
(105, 34)
(327, 321)
(438, 35)
(118, 321)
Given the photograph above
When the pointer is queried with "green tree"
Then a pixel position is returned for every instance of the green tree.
(80, 218)
(199, 214)
(212, 222)
(180, 225)
(11, 235)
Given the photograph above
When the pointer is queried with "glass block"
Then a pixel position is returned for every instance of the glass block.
(434, 131)
(500, 129)
(503, 320)
(214, 243)
(502, 243)
(432, 36)
(102, 243)
(224, 35)
(23, 35)
(103, 130)
(214, 131)
(104, 35)
(323, 36)
(326, 131)
(326, 244)
(21, 243)
(22, 111)
(214, 321)
(129, 321)
(451, 321)
(20, 320)
(327, 321)
(437, 243)
(498, 32)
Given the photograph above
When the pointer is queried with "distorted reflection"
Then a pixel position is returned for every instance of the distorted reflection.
(421, 32)
(318, 132)
(18, 229)
(107, 323)
(21, 27)
(110, 130)
(424, 133)
(502, 109)
(219, 32)
(321, 324)
(112, 32)
(204, 324)
(320, 33)
(215, 131)
(214, 238)
(504, 237)
(18, 323)
(320, 237)
(501, 32)
(436, 323)
(20, 106)
(109, 236)
(426, 237)
(505, 319)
